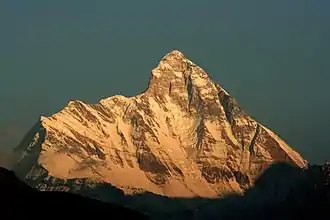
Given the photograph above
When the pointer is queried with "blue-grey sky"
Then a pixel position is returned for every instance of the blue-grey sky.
(272, 56)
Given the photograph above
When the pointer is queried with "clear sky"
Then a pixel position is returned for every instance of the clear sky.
(272, 56)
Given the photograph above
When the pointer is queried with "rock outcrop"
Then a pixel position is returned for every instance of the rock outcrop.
(185, 136)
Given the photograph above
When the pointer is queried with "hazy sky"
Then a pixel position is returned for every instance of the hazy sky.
(273, 56)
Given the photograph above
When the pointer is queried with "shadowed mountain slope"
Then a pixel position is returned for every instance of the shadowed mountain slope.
(281, 192)
(20, 200)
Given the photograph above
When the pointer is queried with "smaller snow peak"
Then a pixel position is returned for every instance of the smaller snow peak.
(171, 63)
(177, 72)
(178, 64)
(72, 102)
(114, 99)
(75, 102)
(175, 54)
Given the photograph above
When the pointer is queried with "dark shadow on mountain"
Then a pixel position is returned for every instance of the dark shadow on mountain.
(19, 200)
(29, 155)
(281, 192)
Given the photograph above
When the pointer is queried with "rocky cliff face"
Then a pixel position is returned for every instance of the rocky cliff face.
(185, 136)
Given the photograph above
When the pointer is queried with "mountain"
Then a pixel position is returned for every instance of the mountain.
(184, 136)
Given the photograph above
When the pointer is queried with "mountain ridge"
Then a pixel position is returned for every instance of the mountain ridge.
(183, 136)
